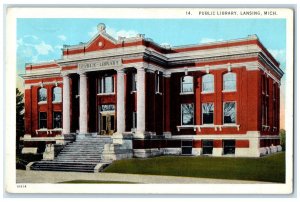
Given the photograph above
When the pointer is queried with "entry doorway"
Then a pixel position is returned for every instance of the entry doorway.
(106, 120)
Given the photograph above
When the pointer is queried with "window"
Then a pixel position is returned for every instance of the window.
(133, 119)
(207, 146)
(229, 146)
(56, 94)
(42, 120)
(133, 82)
(207, 113)
(187, 85)
(187, 114)
(157, 82)
(229, 112)
(57, 120)
(208, 83)
(106, 84)
(229, 81)
(42, 95)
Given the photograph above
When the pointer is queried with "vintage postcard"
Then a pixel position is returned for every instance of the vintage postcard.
(149, 100)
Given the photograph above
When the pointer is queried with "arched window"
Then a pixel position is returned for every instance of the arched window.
(208, 83)
(187, 84)
(56, 94)
(42, 95)
(229, 81)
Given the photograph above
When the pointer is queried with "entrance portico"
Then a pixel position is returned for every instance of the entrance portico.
(106, 122)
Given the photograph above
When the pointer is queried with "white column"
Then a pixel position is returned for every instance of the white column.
(66, 104)
(83, 104)
(140, 86)
(120, 102)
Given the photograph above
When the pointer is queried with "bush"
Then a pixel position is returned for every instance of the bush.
(23, 159)
(282, 138)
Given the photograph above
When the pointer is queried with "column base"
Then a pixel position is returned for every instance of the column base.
(117, 138)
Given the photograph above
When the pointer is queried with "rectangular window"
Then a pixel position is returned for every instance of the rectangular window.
(207, 113)
(187, 84)
(207, 146)
(106, 84)
(57, 120)
(229, 112)
(42, 120)
(187, 114)
(229, 146)
(133, 82)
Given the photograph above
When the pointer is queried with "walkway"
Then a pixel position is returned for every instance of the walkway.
(55, 177)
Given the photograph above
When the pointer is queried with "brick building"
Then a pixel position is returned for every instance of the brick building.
(217, 99)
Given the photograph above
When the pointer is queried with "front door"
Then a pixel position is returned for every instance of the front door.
(107, 124)
(106, 119)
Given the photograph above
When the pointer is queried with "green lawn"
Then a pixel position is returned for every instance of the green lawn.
(270, 168)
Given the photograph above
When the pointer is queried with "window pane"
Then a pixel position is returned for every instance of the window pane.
(208, 83)
(43, 120)
(187, 112)
(108, 84)
(229, 112)
(229, 146)
(57, 120)
(56, 94)
(42, 94)
(208, 113)
(187, 84)
(229, 81)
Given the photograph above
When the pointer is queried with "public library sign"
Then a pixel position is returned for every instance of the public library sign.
(89, 66)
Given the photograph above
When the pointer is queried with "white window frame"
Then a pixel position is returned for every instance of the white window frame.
(181, 86)
(57, 101)
(101, 85)
(213, 82)
(182, 114)
(44, 101)
(208, 124)
(235, 104)
(235, 85)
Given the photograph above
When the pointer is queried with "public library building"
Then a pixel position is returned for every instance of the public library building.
(219, 99)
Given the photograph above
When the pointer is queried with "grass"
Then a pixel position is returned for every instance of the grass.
(95, 182)
(270, 168)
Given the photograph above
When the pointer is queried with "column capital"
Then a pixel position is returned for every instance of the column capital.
(120, 70)
(82, 74)
(65, 74)
(141, 68)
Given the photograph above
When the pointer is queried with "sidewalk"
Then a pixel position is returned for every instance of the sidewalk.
(55, 177)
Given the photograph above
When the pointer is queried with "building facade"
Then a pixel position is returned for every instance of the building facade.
(217, 99)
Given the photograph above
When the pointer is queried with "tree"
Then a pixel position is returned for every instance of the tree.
(19, 118)
(282, 138)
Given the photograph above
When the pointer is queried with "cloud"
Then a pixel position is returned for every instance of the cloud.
(43, 48)
(115, 33)
(209, 40)
(279, 54)
(62, 37)
(122, 33)
(93, 32)
(59, 47)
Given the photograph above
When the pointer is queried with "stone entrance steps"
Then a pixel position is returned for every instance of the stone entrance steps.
(83, 155)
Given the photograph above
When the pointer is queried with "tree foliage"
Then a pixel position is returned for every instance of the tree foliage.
(19, 117)
(282, 138)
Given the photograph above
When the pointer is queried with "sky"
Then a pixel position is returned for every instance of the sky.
(41, 40)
